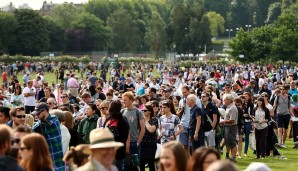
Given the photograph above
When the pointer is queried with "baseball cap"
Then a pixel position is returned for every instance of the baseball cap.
(39, 108)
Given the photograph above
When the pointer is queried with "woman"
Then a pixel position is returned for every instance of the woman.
(172, 157)
(119, 127)
(35, 153)
(155, 106)
(148, 144)
(138, 102)
(104, 106)
(176, 100)
(144, 99)
(202, 158)
(170, 126)
(17, 98)
(75, 157)
(270, 134)
(89, 123)
(69, 124)
(247, 116)
(261, 117)
(239, 105)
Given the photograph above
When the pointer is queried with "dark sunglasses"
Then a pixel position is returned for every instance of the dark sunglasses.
(15, 141)
(63, 97)
(145, 110)
(102, 108)
(24, 148)
(21, 116)
(49, 103)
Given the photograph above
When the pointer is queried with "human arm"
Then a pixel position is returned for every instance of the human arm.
(198, 126)
(150, 128)
(142, 131)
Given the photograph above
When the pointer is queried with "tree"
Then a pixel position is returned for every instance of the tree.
(216, 23)
(8, 25)
(79, 40)
(156, 34)
(32, 36)
(65, 14)
(125, 33)
(100, 34)
(56, 35)
(286, 37)
(262, 7)
(274, 11)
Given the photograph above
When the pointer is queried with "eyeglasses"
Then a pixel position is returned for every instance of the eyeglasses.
(145, 110)
(103, 108)
(49, 103)
(63, 97)
(228, 87)
(164, 107)
(23, 148)
(203, 96)
(21, 116)
(155, 106)
(15, 141)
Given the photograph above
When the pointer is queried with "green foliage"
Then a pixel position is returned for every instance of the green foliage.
(32, 36)
(8, 25)
(274, 11)
(56, 35)
(217, 23)
(21, 58)
(139, 59)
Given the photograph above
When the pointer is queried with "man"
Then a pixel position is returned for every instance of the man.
(282, 104)
(139, 85)
(251, 88)
(184, 114)
(73, 85)
(236, 89)
(154, 84)
(201, 88)
(51, 103)
(93, 79)
(18, 133)
(136, 123)
(65, 102)
(99, 94)
(26, 77)
(293, 89)
(47, 95)
(196, 131)
(128, 86)
(153, 95)
(49, 127)
(17, 115)
(29, 93)
(103, 151)
(7, 163)
(230, 127)
(211, 110)
(4, 77)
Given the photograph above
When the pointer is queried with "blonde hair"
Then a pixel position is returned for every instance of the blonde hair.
(29, 120)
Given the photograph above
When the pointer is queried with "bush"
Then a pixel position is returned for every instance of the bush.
(20, 58)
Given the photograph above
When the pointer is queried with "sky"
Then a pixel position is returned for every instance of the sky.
(36, 4)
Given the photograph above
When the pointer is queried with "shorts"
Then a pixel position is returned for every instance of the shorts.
(283, 121)
(210, 138)
(230, 136)
(183, 137)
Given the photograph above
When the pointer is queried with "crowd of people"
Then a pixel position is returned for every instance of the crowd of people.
(178, 119)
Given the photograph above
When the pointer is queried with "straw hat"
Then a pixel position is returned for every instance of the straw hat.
(102, 138)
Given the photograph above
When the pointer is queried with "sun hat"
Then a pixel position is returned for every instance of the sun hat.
(257, 166)
(102, 138)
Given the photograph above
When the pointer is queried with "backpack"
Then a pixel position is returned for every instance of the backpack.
(206, 122)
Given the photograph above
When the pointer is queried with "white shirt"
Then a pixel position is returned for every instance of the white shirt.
(65, 138)
(29, 101)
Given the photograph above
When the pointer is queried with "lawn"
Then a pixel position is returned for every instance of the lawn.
(275, 164)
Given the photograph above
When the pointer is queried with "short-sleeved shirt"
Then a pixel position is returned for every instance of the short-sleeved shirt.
(150, 138)
(194, 113)
(231, 114)
(168, 126)
(282, 106)
(29, 101)
(131, 116)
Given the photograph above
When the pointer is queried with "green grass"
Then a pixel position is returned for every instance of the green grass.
(275, 164)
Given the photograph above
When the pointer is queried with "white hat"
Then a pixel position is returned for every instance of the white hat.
(102, 138)
(257, 166)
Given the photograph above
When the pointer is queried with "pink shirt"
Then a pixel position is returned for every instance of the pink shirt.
(72, 83)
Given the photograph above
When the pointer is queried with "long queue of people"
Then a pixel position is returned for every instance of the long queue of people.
(135, 115)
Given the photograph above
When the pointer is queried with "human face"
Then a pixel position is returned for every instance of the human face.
(204, 97)
(105, 156)
(50, 103)
(175, 101)
(19, 119)
(185, 93)
(104, 109)
(26, 152)
(42, 115)
(167, 160)
(155, 108)
(89, 111)
(126, 101)
(3, 119)
(210, 158)
(17, 137)
(259, 103)
(64, 98)
(47, 93)
(146, 111)
(283, 91)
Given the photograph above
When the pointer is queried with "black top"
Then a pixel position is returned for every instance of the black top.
(150, 138)
(120, 129)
